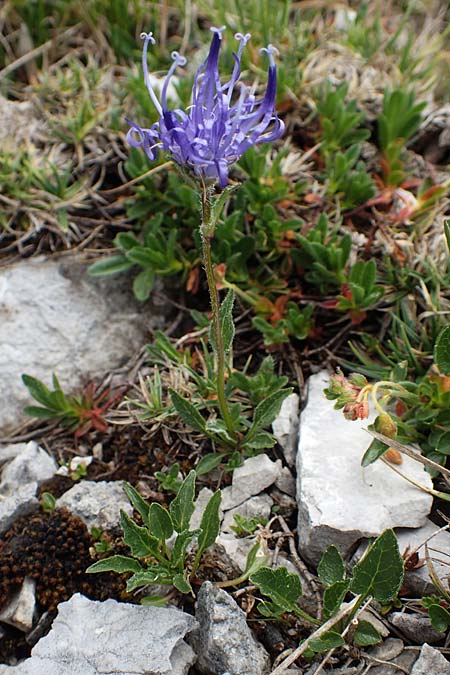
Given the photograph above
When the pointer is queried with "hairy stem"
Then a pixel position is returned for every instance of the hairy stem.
(207, 233)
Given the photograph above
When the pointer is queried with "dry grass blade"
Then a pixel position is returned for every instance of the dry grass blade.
(414, 454)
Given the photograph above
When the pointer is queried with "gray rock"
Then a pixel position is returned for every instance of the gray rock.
(431, 662)
(201, 502)
(32, 464)
(19, 481)
(53, 318)
(286, 482)
(415, 627)
(339, 501)
(417, 581)
(255, 475)
(387, 650)
(97, 504)
(255, 507)
(93, 638)
(224, 642)
(236, 548)
(285, 427)
(19, 611)
(8, 452)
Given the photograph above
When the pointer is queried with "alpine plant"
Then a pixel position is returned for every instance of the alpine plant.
(222, 122)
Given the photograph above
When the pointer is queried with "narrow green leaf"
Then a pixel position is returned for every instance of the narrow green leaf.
(187, 411)
(180, 546)
(112, 265)
(136, 501)
(442, 351)
(447, 233)
(143, 284)
(373, 452)
(116, 563)
(226, 321)
(209, 462)
(155, 600)
(281, 586)
(331, 567)
(160, 522)
(139, 539)
(255, 560)
(37, 389)
(380, 572)
(210, 523)
(366, 634)
(266, 411)
(182, 507)
(324, 643)
(41, 413)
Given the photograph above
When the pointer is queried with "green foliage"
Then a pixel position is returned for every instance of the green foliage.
(324, 255)
(153, 559)
(340, 119)
(245, 526)
(442, 351)
(80, 413)
(169, 480)
(361, 291)
(347, 178)
(380, 572)
(400, 119)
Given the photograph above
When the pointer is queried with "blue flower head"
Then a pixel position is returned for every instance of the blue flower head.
(217, 128)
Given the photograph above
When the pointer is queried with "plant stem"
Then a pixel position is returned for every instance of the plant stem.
(207, 234)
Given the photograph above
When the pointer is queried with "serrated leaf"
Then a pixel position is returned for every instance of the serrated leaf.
(439, 617)
(324, 643)
(181, 583)
(226, 323)
(366, 634)
(380, 572)
(182, 507)
(136, 501)
(210, 523)
(115, 563)
(266, 411)
(442, 351)
(281, 586)
(331, 567)
(160, 522)
(187, 411)
(333, 597)
(138, 539)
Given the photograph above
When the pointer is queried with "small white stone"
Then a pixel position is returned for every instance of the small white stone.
(339, 501)
(33, 464)
(98, 504)
(19, 611)
(255, 475)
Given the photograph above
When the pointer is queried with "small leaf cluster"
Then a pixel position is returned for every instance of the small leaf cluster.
(159, 547)
(341, 136)
(80, 413)
(379, 575)
(399, 120)
(360, 291)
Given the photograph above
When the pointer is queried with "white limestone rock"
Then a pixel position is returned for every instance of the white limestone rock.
(19, 481)
(285, 427)
(98, 504)
(416, 627)
(54, 318)
(255, 475)
(94, 638)
(19, 611)
(255, 507)
(430, 662)
(201, 503)
(339, 501)
(223, 642)
(286, 482)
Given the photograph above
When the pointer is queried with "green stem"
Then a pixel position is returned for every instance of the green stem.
(207, 234)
